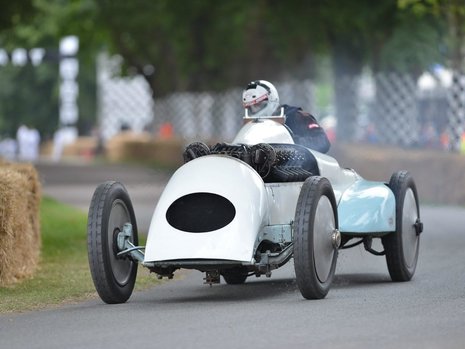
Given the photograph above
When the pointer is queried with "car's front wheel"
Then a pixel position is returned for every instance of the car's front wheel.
(114, 277)
(316, 238)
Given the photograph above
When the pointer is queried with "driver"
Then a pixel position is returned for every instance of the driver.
(261, 98)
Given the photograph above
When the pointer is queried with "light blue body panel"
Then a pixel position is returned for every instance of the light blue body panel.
(367, 207)
(364, 207)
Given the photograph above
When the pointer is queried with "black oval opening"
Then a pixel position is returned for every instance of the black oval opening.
(200, 212)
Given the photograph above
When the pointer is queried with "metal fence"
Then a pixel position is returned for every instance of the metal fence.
(210, 115)
(387, 109)
(122, 102)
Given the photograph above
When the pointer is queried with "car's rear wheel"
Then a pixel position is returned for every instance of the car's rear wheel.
(316, 238)
(402, 246)
(114, 277)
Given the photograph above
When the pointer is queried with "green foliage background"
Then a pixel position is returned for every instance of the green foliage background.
(203, 45)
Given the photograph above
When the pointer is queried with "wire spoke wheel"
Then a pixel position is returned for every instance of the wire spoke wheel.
(315, 233)
(114, 277)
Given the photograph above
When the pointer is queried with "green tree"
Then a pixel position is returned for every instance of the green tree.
(192, 45)
(30, 94)
(14, 12)
(352, 31)
(211, 45)
(416, 40)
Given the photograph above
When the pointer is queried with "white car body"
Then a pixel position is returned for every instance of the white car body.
(263, 211)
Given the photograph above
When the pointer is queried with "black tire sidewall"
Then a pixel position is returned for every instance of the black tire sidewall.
(304, 263)
(399, 183)
(104, 280)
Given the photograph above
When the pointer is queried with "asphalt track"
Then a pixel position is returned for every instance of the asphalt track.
(364, 309)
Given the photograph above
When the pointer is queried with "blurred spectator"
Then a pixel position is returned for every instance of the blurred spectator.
(34, 144)
(28, 143)
(329, 124)
(444, 139)
(8, 149)
(371, 135)
(125, 127)
(166, 130)
(429, 137)
(61, 138)
(462, 143)
(21, 138)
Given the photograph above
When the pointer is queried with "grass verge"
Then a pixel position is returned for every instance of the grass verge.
(63, 275)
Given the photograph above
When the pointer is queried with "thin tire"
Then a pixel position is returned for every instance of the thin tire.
(315, 224)
(402, 246)
(114, 277)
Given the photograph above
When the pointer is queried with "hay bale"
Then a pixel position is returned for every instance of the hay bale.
(19, 222)
(34, 191)
(82, 146)
(121, 147)
(141, 147)
(168, 152)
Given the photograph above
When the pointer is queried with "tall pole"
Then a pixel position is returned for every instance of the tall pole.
(69, 90)
(69, 68)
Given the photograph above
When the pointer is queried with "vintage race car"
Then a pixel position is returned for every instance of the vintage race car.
(250, 206)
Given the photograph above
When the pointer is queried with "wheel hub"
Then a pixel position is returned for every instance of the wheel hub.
(418, 226)
(336, 238)
(123, 236)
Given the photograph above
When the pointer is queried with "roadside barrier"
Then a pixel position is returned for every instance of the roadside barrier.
(141, 147)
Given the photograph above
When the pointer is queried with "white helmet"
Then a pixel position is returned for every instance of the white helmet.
(260, 98)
